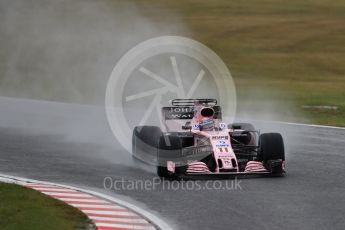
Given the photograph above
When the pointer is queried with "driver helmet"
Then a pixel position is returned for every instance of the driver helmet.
(207, 122)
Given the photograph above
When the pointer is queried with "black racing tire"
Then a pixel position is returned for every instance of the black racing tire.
(148, 134)
(271, 147)
(145, 141)
(162, 172)
(169, 148)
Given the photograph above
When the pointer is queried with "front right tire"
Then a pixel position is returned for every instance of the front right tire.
(271, 153)
(271, 147)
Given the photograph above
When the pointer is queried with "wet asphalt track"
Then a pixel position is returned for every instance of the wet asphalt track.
(72, 144)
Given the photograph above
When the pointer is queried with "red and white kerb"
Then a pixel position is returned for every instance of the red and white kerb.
(104, 214)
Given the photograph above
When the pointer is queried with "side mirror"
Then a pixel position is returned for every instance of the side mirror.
(187, 126)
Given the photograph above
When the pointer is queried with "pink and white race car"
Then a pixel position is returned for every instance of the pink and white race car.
(197, 144)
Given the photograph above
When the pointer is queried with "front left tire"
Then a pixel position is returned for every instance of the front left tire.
(145, 143)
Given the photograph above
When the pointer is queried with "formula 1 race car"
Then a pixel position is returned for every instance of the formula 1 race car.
(196, 144)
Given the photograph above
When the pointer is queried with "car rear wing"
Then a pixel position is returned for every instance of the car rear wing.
(186, 112)
(193, 102)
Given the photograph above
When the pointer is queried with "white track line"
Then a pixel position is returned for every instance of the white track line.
(37, 186)
(85, 201)
(67, 194)
(309, 125)
(123, 226)
(119, 213)
(97, 206)
(53, 189)
(289, 123)
(117, 219)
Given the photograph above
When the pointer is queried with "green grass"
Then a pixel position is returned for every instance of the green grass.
(25, 209)
(281, 53)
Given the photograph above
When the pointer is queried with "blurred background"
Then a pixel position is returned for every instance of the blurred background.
(286, 57)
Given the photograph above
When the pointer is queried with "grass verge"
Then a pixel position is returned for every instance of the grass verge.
(26, 209)
(283, 55)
